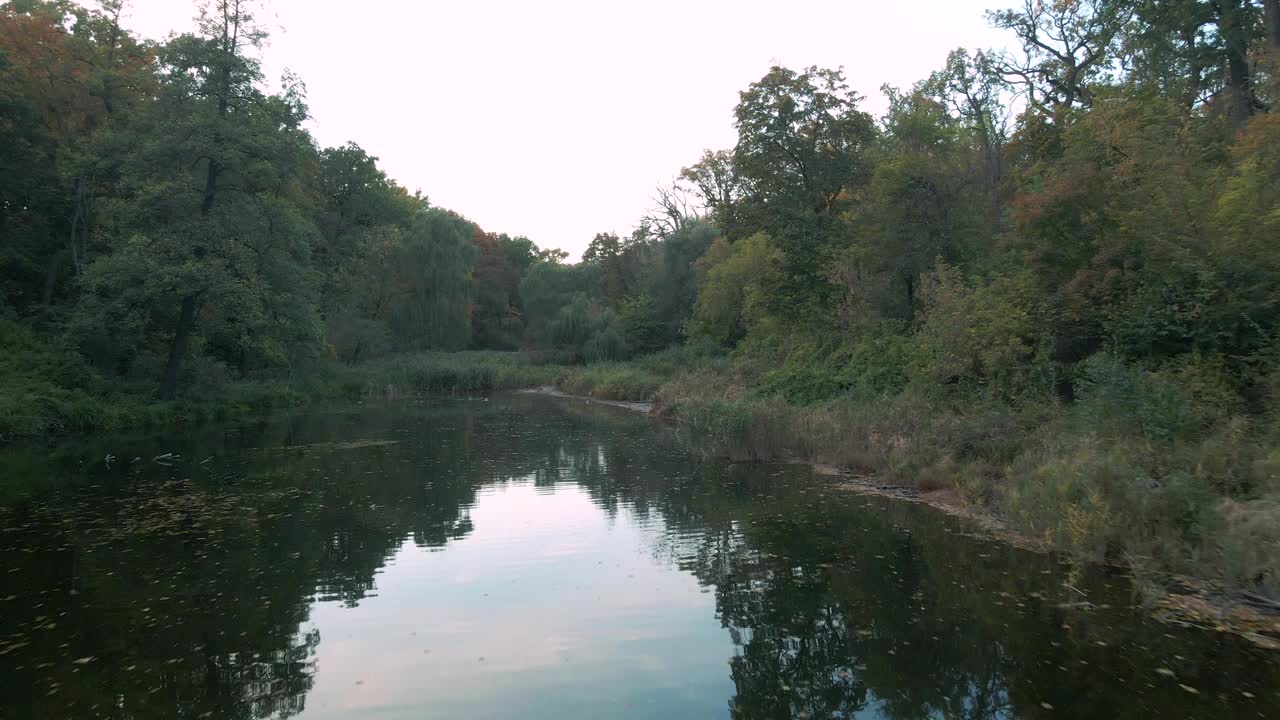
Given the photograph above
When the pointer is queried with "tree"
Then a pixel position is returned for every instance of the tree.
(1067, 47)
(933, 197)
(497, 320)
(204, 222)
(361, 215)
(802, 141)
(973, 94)
(605, 251)
(1171, 50)
(672, 210)
(803, 152)
(1237, 27)
(641, 330)
(721, 191)
(68, 69)
(730, 294)
(674, 287)
(547, 288)
(356, 199)
(433, 266)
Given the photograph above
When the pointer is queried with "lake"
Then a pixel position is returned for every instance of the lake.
(538, 557)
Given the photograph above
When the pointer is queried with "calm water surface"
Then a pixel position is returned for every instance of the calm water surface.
(539, 558)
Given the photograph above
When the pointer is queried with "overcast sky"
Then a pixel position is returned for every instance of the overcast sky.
(555, 119)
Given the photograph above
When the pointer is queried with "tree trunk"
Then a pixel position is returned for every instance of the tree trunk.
(1240, 101)
(1271, 12)
(79, 223)
(210, 187)
(51, 275)
(181, 337)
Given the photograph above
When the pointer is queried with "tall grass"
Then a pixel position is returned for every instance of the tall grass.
(35, 405)
(1137, 471)
(638, 379)
(464, 373)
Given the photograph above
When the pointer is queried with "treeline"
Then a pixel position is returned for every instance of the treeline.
(1047, 279)
(1106, 192)
(166, 219)
(169, 226)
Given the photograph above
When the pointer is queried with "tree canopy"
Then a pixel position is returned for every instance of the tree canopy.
(1105, 186)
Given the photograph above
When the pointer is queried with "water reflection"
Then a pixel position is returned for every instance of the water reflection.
(535, 558)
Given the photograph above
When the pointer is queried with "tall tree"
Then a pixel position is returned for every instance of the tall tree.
(69, 69)
(605, 250)
(205, 220)
(802, 141)
(1067, 46)
(803, 152)
(434, 266)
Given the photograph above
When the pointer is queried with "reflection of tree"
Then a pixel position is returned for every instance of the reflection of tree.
(839, 604)
(192, 585)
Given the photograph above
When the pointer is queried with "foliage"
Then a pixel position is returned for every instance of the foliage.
(731, 294)
(1071, 315)
(989, 333)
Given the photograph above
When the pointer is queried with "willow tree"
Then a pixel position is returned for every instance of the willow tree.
(432, 307)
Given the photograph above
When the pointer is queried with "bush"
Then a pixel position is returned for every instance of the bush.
(982, 333)
(642, 331)
(870, 366)
(1117, 398)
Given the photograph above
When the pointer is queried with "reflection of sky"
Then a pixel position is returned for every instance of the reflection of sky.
(549, 609)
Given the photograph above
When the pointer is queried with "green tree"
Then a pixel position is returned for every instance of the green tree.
(64, 70)
(803, 153)
(498, 316)
(930, 199)
(433, 271)
(730, 294)
(1067, 48)
(605, 251)
(204, 223)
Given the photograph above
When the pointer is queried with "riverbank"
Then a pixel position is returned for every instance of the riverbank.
(1108, 478)
(1097, 479)
(716, 409)
(48, 402)
(552, 391)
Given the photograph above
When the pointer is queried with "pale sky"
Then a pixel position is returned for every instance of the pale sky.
(555, 119)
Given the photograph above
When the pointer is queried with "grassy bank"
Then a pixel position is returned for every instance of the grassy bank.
(41, 397)
(1140, 469)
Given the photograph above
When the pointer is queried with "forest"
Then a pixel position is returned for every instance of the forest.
(1046, 279)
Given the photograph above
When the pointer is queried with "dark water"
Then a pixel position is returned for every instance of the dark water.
(539, 558)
